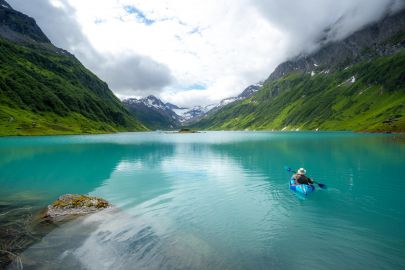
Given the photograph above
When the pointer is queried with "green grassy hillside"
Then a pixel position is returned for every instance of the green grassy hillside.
(368, 96)
(48, 91)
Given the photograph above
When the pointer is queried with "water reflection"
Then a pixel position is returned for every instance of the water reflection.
(174, 211)
(69, 168)
(220, 201)
(33, 174)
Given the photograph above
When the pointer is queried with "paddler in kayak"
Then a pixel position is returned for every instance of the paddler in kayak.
(301, 178)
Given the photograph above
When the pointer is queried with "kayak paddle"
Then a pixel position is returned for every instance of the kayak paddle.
(323, 186)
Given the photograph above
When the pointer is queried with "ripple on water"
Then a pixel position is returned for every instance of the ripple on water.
(217, 200)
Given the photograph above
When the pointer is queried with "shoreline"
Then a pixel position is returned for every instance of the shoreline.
(72, 134)
(387, 132)
(34, 221)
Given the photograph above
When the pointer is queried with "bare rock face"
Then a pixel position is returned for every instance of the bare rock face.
(69, 205)
(381, 38)
(18, 27)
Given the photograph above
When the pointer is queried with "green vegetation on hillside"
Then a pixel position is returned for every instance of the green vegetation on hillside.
(368, 96)
(48, 91)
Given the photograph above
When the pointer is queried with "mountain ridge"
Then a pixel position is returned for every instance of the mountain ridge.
(152, 112)
(46, 90)
(349, 50)
(19, 27)
(353, 84)
(156, 114)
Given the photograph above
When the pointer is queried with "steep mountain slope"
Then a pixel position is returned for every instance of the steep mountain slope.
(354, 84)
(153, 113)
(46, 90)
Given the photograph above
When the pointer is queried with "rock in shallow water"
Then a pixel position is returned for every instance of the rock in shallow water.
(75, 204)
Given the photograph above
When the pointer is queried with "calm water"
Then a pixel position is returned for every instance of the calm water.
(216, 200)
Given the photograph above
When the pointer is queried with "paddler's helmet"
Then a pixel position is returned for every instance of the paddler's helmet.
(302, 171)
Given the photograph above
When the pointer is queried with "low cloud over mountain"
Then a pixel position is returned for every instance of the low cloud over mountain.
(166, 48)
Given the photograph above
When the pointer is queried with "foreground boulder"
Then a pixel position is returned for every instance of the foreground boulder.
(74, 204)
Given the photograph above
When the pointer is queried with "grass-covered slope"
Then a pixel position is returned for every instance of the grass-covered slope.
(44, 90)
(367, 96)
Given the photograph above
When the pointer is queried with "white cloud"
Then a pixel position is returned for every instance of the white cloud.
(162, 46)
(305, 22)
(214, 43)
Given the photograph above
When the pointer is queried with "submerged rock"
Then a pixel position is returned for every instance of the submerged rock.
(75, 204)
(22, 224)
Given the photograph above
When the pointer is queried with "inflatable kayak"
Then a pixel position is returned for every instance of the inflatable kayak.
(302, 188)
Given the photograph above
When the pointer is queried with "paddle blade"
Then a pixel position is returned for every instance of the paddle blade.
(323, 186)
(288, 169)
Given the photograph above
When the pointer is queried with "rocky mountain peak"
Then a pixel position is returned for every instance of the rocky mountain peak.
(152, 97)
(152, 101)
(374, 39)
(4, 4)
(250, 90)
(154, 113)
(18, 27)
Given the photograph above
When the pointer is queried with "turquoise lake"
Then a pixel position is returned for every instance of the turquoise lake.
(213, 200)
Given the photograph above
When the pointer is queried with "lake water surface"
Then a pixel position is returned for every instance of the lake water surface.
(215, 200)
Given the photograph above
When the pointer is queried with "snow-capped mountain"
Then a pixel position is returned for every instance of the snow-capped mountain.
(198, 112)
(250, 90)
(173, 107)
(193, 114)
(150, 101)
(247, 93)
(155, 114)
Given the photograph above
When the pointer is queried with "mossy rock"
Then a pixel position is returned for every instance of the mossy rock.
(75, 204)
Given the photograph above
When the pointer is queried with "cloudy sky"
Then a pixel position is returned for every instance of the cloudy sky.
(194, 52)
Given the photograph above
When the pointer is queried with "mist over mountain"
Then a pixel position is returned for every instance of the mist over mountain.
(320, 51)
(46, 90)
(219, 46)
(354, 84)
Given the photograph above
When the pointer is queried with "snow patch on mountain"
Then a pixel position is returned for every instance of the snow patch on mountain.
(188, 115)
(180, 112)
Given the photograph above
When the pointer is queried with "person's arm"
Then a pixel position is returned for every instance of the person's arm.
(295, 177)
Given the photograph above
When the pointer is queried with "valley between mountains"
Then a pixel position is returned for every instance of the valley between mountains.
(355, 84)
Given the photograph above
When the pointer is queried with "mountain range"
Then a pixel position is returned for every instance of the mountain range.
(46, 90)
(155, 114)
(354, 84)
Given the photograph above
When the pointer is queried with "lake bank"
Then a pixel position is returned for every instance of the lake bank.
(197, 131)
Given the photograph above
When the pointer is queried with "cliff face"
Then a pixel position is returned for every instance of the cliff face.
(378, 39)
